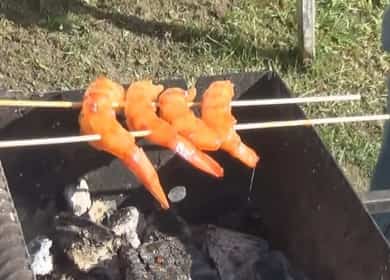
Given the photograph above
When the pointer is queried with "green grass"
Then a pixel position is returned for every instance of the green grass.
(133, 39)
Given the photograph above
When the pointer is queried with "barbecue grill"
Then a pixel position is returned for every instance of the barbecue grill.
(305, 204)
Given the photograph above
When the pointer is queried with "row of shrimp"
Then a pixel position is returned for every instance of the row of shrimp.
(172, 124)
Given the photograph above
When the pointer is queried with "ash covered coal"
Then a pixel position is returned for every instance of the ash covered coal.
(41, 258)
(124, 223)
(108, 242)
(78, 197)
(165, 257)
(84, 242)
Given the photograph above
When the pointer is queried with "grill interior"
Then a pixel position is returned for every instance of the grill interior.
(305, 206)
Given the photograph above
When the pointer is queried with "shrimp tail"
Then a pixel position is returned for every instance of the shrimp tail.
(237, 149)
(246, 155)
(140, 165)
(197, 158)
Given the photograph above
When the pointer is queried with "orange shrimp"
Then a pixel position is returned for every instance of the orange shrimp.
(173, 107)
(141, 115)
(98, 117)
(216, 113)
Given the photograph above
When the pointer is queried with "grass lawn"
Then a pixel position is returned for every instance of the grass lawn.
(66, 44)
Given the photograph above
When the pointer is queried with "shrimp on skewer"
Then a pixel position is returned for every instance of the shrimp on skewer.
(98, 117)
(173, 107)
(141, 115)
(216, 113)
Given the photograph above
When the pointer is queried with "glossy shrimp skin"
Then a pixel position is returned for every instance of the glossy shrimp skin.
(173, 107)
(216, 113)
(98, 117)
(141, 114)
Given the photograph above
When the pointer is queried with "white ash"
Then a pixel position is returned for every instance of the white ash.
(85, 243)
(78, 198)
(41, 258)
(87, 255)
(101, 209)
(124, 223)
(133, 239)
(177, 194)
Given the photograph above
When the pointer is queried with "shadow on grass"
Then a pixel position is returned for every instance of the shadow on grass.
(27, 13)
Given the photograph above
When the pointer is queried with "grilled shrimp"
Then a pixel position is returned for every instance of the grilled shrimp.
(141, 115)
(98, 117)
(173, 107)
(216, 113)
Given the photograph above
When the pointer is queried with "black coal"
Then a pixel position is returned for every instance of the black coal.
(169, 249)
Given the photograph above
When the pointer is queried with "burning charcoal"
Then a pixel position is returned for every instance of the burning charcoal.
(177, 194)
(78, 198)
(166, 259)
(133, 268)
(41, 258)
(85, 243)
(124, 223)
(100, 209)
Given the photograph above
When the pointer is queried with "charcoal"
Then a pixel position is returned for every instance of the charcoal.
(41, 257)
(277, 266)
(101, 209)
(273, 266)
(233, 243)
(106, 270)
(100, 274)
(124, 223)
(168, 222)
(86, 243)
(166, 258)
(68, 224)
(242, 256)
(235, 254)
(57, 276)
(172, 224)
(87, 255)
(78, 197)
(133, 268)
(201, 267)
